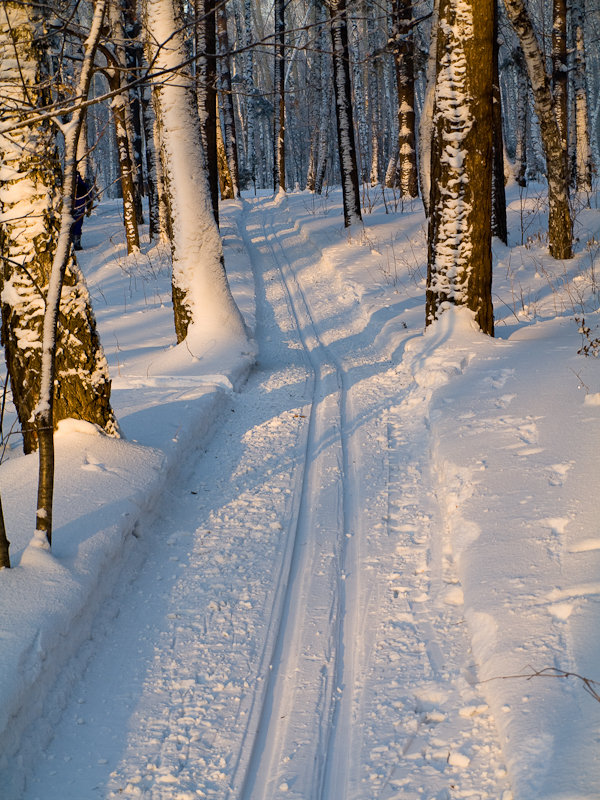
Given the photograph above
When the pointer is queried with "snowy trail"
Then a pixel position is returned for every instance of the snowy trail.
(297, 630)
(302, 740)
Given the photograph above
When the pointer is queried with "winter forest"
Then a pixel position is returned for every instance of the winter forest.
(300, 399)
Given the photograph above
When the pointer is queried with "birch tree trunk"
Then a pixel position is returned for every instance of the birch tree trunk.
(206, 90)
(459, 270)
(151, 162)
(225, 181)
(522, 92)
(362, 153)
(4, 543)
(226, 100)
(201, 294)
(279, 98)
(43, 414)
(426, 122)
(343, 106)
(560, 71)
(250, 104)
(560, 228)
(326, 96)
(124, 124)
(583, 157)
(406, 175)
(31, 241)
(499, 223)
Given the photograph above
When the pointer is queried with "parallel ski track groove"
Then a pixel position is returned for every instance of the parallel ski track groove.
(338, 697)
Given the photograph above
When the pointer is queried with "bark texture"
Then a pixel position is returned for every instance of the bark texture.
(343, 106)
(460, 255)
(560, 227)
(279, 98)
(226, 100)
(201, 294)
(406, 175)
(30, 202)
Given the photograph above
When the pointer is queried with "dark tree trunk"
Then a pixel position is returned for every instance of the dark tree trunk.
(521, 119)
(499, 223)
(126, 169)
(226, 100)
(133, 60)
(460, 254)
(343, 105)
(406, 175)
(151, 163)
(206, 48)
(4, 543)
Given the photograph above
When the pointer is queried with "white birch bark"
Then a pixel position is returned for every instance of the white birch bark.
(426, 120)
(583, 171)
(201, 293)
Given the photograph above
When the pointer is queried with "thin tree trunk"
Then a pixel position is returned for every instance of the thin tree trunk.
(583, 165)
(326, 95)
(206, 89)
(126, 168)
(250, 102)
(499, 223)
(226, 99)
(407, 177)
(460, 255)
(522, 102)
(360, 113)
(4, 543)
(560, 71)
(44, 411)
(225, 180)
(343, 106)
(151, 163)
(126, 135)
(133, 60)
(279, 98)
(560, 228)
(426, 122)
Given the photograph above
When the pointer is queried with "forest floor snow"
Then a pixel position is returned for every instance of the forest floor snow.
(362, 575)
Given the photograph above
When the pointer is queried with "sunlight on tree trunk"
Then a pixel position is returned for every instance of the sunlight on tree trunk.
(459, 268)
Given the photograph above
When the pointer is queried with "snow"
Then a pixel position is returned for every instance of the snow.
(367, 569)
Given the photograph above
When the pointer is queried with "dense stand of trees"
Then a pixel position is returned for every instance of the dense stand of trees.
(180, 102)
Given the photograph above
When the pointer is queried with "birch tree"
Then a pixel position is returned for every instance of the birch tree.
(343, 106)
(226, 99)
(560, 227)
(459, 270)
(279, 98)
(32, 240)
(202, 299)
(402, 39)
(583, 170)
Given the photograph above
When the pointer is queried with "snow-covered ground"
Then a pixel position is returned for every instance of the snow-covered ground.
(371, 571)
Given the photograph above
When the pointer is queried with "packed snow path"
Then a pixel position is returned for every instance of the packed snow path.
(296, 631)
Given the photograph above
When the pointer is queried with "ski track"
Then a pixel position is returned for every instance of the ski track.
(298, 632)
